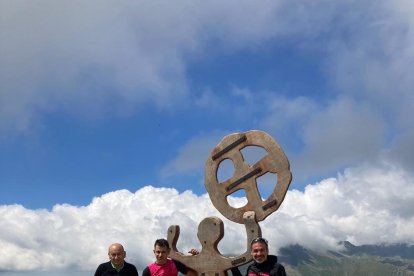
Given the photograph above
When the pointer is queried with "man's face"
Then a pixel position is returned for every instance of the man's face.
(259, 252)
(161, 254)
(117, 255)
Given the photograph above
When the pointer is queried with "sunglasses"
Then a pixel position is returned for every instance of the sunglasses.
(262, 240)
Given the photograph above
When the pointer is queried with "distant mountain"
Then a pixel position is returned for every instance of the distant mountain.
(354, 260)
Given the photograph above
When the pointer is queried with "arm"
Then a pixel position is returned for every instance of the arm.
(98, 271)
(180, 267)
(235, 271)
(278, 270)
(191, 272)
(184, 269)
(281, 271)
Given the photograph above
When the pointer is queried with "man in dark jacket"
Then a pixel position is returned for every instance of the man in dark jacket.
(117, 265)
(263, 263)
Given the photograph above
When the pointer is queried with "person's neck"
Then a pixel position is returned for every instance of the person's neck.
(161, 263)
(261, 261)
(118, 266)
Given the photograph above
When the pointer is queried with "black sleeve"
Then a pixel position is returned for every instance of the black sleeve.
(235, 271)
(146, 272)
(180, 267)
(135, 271)
(281, 271)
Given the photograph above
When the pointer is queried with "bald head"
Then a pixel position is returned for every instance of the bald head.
(116, 246)
(117, 254)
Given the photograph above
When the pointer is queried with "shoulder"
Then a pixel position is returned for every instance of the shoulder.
(130, 267)
(104, 265)
(146, 271)
(102, 268)
(277, 268)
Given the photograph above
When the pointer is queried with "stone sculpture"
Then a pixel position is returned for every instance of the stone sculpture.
(211, 229)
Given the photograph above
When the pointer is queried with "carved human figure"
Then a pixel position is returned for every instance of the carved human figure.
(210, 231)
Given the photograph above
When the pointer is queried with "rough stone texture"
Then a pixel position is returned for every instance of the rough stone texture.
(210, 231)
(274, 162)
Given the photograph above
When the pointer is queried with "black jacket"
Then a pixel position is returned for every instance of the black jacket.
(106, 269)
(270, 267)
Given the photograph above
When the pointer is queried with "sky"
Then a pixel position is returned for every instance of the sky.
(109, 110)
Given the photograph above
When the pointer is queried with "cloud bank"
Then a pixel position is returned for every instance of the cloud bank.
(364, 205)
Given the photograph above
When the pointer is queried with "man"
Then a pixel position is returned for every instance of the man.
(164, 266)
(116, 266)
(263, 263)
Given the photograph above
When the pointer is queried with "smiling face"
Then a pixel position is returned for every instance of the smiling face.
(117, 254)
(161, 254)
(259, 252)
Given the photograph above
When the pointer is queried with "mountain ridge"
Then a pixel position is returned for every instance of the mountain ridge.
(383, 259)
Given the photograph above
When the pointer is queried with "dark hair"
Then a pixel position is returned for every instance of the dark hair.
(162, 243)
(259, 240)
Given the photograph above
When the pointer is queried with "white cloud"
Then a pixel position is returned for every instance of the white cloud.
(365, 205)
(79, 236)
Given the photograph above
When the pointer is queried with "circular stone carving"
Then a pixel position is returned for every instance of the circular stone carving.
(245, 176)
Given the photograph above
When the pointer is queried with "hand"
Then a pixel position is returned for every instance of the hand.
(193, 251)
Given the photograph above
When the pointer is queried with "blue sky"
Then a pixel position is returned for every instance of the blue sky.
(99, 99)
(71, 155)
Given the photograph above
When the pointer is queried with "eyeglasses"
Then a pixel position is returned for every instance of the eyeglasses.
(259, 239)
